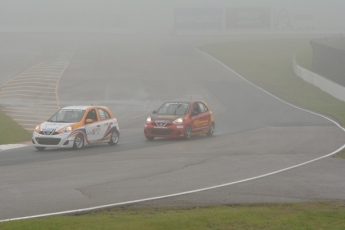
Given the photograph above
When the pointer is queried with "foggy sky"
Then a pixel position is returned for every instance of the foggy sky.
(92, 5)
(157, 14)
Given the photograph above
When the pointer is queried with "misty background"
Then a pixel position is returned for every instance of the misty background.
(172, 16)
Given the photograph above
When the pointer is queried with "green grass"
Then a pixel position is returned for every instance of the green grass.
(341, 154)
(326, 215)
(11, 132)
(268, 64)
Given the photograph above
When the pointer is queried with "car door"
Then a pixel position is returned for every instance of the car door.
(196, 114)
(205, 117)
(93, 130)
(105, 124)
(201, 121)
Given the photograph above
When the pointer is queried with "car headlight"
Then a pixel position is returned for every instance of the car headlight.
(148, 120)
(178, 121)
(67, 129)
(37, 129)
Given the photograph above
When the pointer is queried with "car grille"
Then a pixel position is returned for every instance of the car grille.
(48, 133)
(161, 131)
(48, 141)
(163, 125)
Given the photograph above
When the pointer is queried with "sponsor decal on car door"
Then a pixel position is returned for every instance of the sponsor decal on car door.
(94, 129)
(106, 125)
(93, 132)
(202, 120)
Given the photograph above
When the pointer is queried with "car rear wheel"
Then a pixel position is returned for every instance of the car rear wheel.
(40, 148)
(114, 138)
(78, 142)
(211, 129)
(149, 138)
(187, 132)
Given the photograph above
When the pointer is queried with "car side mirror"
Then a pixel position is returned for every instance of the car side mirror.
(88, 121)
(47, 119)
(154, 112)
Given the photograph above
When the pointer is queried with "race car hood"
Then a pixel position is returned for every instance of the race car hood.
(165, 117)
(52, 127)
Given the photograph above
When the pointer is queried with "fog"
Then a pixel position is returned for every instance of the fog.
(164, 16)
(132, 56)
(55, 29)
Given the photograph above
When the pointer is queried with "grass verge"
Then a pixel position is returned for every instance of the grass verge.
(11, 132)
(326, 215)
(341, 154)
(268, 64)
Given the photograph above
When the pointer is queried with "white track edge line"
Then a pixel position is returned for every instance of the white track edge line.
(203, 189)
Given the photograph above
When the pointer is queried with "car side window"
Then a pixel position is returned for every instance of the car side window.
(107, 115)
(201, 107)
(92, 115)
(206, 109)
(196, 108)
(104, 115)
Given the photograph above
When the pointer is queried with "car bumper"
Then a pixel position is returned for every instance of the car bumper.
(52, 141)
(173, 131)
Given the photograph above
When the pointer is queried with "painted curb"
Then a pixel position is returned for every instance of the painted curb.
(14, 146)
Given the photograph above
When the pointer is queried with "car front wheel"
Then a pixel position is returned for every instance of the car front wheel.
(78, 142)
(187, 132)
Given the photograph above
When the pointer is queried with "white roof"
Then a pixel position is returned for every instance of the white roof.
(81, 107)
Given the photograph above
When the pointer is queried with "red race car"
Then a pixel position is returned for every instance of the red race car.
(180, 119)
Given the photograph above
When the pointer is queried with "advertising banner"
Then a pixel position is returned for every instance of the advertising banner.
(198, 18)
(247, 17)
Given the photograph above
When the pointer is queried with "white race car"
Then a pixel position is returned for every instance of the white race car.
(76, 126)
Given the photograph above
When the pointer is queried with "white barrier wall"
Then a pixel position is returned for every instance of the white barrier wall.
(324, 84)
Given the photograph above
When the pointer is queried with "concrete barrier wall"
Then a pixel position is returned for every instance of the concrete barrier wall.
(324, 84)
(329, 57)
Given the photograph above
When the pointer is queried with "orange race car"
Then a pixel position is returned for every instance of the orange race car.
(75, 126)
(180, 119)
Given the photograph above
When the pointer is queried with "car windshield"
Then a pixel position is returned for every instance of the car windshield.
(67, 116)
(174, 108)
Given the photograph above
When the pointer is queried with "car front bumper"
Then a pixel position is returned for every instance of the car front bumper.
(172, 131)
(52, 141)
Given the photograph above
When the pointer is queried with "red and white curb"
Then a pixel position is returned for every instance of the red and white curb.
(14, 146)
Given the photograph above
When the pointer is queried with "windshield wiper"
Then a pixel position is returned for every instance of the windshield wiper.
(177, 108)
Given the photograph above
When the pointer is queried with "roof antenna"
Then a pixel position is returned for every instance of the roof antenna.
(191, 96)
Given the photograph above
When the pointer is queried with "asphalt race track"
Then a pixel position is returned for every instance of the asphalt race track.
(256, 134)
